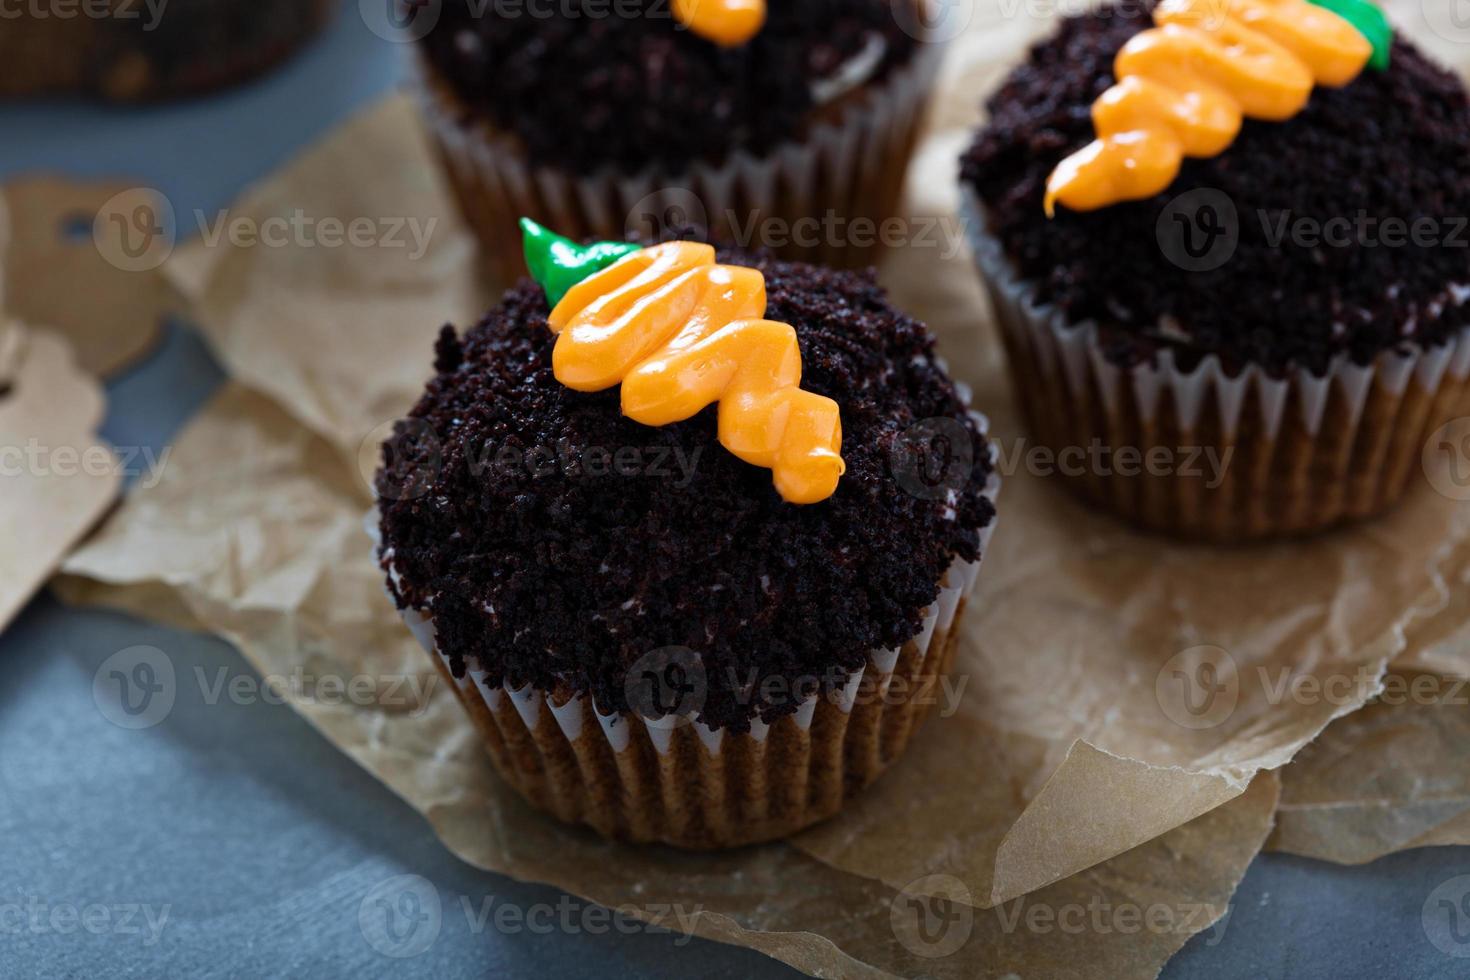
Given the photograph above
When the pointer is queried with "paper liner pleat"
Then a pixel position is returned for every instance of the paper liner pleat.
(850, 165)
(1307, 452)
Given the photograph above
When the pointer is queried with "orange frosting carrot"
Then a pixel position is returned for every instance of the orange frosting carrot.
(729, 23)
(1185, 86)
(680, 333)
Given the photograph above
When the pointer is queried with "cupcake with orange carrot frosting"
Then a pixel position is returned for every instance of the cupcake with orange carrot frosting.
(690, 532)
(785, 126)
(1225, 245)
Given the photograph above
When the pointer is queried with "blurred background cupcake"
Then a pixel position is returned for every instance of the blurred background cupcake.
(633, 118)
(1258, 341)
(130, 50)
(655, 637)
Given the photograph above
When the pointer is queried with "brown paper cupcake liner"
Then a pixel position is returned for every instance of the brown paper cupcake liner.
(849, 166)
(1250, 456)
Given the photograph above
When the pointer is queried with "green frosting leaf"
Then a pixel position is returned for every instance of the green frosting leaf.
(558, 263)
(1369, 21)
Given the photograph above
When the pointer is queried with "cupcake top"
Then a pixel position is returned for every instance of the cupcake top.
(555, 541)
(1344, 226)
(632, 89)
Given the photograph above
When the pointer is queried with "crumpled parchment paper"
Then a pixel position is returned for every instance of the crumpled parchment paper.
(56, 478)
(1394, 775)
(1126, 701)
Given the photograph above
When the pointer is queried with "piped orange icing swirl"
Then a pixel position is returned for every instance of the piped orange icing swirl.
(726, 22)
(680, 333)
(1184, 87)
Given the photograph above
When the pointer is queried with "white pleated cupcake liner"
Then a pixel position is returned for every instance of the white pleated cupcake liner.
(528, 702)
(957, 584)
(850, 166)
(638, 778)
(1364, 398)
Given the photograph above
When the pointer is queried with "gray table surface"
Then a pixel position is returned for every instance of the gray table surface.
(232, 840)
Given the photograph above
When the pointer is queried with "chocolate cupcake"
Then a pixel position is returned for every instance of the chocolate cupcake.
(134, 51)
(789, 129)
(1255, 284)
(709, 604)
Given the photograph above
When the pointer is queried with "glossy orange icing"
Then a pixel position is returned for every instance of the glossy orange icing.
(726, 22)
(680, 333)
(1185, 86)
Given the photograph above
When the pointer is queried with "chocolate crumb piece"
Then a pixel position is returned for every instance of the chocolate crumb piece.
(557, 542)
(448, 354)
(588, 88)
(1390, 150)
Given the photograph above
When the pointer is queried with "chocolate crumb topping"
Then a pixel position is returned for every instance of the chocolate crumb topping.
(556, 542)
(1327, 258)
(633, 90)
